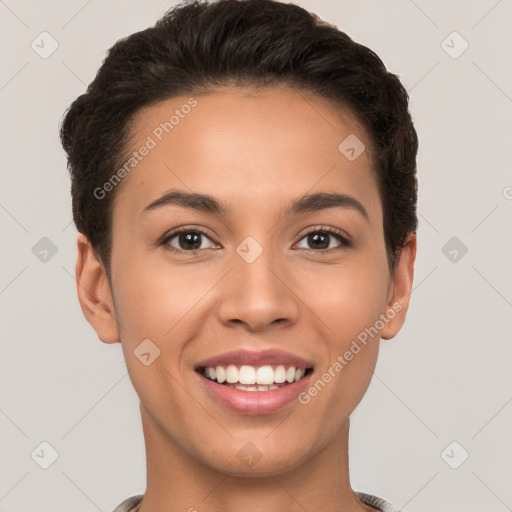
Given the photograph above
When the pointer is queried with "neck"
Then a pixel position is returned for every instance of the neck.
(176, 480)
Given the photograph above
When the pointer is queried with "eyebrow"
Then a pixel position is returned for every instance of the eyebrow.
(208, 204)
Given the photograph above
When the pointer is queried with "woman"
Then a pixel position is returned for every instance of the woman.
(244, 187)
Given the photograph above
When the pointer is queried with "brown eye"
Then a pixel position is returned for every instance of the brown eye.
(187, 240)
(320, 239)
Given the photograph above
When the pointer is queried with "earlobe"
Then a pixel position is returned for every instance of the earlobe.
(94, 293)
(401, 287)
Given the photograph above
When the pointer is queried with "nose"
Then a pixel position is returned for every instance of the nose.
(258, 295)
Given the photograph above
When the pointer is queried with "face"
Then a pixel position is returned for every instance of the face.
(280, 262)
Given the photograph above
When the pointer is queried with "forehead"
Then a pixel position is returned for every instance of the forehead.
(238, 143)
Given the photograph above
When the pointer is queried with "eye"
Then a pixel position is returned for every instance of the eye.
(320, 237)
(189, 240)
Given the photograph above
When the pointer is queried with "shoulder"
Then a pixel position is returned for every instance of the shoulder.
(378, 503)
(129, 503)
(374, 501)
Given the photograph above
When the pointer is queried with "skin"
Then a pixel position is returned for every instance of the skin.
(255, 151)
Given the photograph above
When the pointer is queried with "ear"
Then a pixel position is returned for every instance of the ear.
(94, 292)
(400, 289)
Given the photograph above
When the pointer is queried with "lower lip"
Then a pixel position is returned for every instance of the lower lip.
(254, 402)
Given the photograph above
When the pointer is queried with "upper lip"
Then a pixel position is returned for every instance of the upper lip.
(255, 358)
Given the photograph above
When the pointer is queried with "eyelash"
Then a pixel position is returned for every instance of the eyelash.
(344, 241)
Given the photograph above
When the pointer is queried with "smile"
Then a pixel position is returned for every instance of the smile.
(253, 390)
(251, 378)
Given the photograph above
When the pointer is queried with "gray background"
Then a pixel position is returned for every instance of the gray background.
(445, 378)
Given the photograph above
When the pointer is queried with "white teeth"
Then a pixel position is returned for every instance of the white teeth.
(265, 375)
(280, 374)
(241, 387)
(267, 388)
(252, 379)
(231, 374)
(247, 375)
(221, 374)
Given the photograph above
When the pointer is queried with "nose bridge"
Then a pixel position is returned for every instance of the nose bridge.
(256, 266)
(258, 293)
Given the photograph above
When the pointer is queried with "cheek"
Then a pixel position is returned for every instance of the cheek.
(349, 303)
(149, 306)
(152, 298)
(348, 298)
(349, 311)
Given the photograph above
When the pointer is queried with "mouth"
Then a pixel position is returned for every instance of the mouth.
(254, 378)
(253, 390)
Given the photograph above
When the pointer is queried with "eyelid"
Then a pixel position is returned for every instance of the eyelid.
(184, 229)
(328, 229)
(179, 229)
(344, 239)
